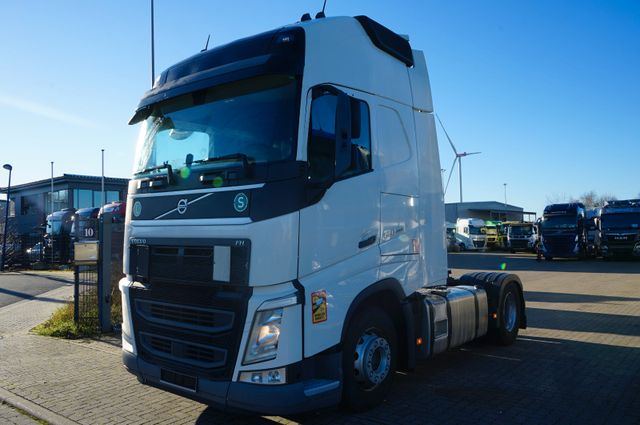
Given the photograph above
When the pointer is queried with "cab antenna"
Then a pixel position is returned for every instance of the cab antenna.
(321, 13)
(206, 46)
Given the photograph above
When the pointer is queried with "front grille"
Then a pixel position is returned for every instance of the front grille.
(190, 264)
(197, 318)
(478, 244)
(620, 240)
(183, 351)
(519, 243)
(190, 329)
(559, 244)
(206, 261)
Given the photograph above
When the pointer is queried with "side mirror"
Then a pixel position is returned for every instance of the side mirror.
(343, 134)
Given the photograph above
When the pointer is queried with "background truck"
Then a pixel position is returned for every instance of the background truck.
(592, 228)
(285, 233)
(471, 233)
(491, 233)
(57, 239)
(620, 226)
(563, 231)
(519, 236)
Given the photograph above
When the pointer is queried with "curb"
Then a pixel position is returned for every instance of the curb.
(34, 409)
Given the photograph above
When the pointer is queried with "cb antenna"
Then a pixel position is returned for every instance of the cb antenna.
(321, 13)
(206, 46)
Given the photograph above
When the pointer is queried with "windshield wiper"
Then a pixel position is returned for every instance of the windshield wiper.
(158, 180)
(239, 156)
(155, 168)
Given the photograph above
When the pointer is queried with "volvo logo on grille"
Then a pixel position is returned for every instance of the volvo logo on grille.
(182, 206)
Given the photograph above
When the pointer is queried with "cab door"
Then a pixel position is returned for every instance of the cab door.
(343, 225)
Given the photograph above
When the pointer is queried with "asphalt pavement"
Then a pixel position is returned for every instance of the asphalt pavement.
(16, 287)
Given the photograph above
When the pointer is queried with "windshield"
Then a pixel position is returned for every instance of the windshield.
(522, 230)
(559, 223)
(54, 226)
(473, 230)
(621, 221)
(255, 117)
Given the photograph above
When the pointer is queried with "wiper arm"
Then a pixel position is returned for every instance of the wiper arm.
(157, 167)
(239, 156)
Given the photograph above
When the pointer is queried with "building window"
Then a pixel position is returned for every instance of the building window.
(82, 198)
(31, 204)
(60, 200)
(113, 196)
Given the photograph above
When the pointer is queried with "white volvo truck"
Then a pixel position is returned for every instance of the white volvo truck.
(285, 245)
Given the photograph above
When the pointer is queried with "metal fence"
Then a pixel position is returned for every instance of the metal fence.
(94, 265)
(85, 296)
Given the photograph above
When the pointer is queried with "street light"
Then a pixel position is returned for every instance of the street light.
(6, 217)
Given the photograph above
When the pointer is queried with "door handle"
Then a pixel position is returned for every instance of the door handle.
(366, 242)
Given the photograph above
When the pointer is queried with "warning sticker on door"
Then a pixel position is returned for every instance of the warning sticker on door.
(319, 306)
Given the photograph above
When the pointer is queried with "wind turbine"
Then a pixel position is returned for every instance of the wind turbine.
(459, 156)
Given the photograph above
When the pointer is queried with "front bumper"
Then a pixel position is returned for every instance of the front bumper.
(301, 396)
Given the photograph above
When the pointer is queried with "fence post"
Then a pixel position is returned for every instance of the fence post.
(104, 272)
(76, 294)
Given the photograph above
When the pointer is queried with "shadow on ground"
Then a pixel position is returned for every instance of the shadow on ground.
(527, 262)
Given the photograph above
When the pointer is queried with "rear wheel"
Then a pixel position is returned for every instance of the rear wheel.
(509, 308)
(369, 359)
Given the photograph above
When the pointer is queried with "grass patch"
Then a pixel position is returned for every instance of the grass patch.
(61, 325)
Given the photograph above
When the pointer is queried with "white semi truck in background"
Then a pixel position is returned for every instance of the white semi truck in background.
(471, 233)
(285, 245)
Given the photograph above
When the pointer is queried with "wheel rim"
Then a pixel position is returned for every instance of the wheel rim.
(510, 312)
(372, 360)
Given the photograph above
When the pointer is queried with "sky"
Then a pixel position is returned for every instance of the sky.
(548, 91)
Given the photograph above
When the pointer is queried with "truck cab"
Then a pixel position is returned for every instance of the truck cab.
(563, 232)
(620, 227)
(491, 231)
(284, 233)
(471, 233)
(519, 236)
(57, 246)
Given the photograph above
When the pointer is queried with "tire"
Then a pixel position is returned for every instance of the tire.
(462, 247)
(548, 258)
(371, 335)
(510, 314)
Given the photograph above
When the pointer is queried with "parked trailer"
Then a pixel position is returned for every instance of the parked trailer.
(285, 226)
(620, 224)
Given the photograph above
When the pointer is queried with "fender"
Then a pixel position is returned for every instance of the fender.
(406, 331)
(494, 284)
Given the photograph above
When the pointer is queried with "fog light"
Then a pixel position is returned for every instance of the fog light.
(265, 377)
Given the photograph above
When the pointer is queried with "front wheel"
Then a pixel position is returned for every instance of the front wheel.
(369, 359)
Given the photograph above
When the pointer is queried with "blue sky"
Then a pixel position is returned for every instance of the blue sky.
(548, 91)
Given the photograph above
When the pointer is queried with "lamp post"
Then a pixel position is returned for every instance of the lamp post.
(505, 200)
(6, 217)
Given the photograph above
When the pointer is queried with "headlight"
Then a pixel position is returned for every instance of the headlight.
(265, 333)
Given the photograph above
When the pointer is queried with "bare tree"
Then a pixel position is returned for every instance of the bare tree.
(559, 198)
(591, 199)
